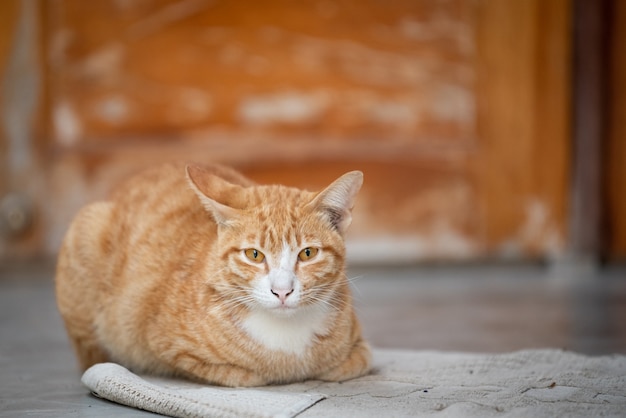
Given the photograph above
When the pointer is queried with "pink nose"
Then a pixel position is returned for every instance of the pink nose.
(281, 294)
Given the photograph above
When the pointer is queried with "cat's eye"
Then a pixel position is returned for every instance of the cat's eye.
(307, 254)
(254, 255)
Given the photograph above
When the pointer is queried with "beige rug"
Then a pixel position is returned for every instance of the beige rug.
(188, 400)
(531, 383)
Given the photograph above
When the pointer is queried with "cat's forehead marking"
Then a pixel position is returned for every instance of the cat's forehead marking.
(277, 217)
(287, 259)
(278, 227)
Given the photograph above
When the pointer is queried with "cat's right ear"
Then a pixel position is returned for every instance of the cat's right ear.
(213, 193)
(337, 200)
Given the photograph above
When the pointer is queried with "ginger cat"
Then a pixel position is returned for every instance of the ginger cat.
(197, 272)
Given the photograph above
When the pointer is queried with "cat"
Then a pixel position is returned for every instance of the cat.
(195, 271)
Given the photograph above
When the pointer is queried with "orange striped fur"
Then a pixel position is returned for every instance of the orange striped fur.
(197, 272)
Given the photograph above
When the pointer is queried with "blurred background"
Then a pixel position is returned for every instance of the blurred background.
(470, 119)
(490, 132)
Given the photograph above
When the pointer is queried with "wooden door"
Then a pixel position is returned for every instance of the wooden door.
(615, 175)
(457, 112)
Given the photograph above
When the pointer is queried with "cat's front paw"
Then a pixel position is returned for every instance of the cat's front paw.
(356, 365)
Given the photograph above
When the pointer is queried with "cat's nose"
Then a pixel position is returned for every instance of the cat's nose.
(281, 294)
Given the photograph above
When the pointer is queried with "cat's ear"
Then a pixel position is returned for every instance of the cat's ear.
(337, 200)
(215, 193)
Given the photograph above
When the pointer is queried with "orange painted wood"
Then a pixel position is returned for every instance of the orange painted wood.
(9, 12)
(524, 124)
(457, 112)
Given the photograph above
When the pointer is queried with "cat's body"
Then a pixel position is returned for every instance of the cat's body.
(210, 277)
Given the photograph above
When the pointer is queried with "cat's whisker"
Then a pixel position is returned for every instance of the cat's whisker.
(239, 299)
(333, 302)
(354, 279)
(353, 285)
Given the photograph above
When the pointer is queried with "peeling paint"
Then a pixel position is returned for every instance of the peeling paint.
(536, 220)
(393, 112)
(441, 242)
(453, 103)
(382, 68)
(286, 107)
(67, 125)
(420, 31)
(106, 62)
(445, 241)
(538, 231)
(439, 26)
(166, 16)
(112, 109)
(191, 105)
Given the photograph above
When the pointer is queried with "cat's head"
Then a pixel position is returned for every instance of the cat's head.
(278, 248)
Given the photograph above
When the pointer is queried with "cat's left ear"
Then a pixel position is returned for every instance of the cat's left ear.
(337, 200)
(216, 194)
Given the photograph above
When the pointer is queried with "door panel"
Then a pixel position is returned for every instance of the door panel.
(457, 111)
(616, 150)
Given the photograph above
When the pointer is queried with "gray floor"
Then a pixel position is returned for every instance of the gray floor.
(462, 308)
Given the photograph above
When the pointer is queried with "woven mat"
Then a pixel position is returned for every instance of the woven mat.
(537, 383)
(188, 400)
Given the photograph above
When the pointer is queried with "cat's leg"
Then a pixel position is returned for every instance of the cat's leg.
(88, 352)
(357, 364)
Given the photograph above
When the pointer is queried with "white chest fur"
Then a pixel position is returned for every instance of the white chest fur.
(291, 334)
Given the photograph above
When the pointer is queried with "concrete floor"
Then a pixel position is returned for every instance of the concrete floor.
(459, 308)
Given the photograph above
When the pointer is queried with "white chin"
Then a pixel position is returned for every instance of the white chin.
(283, 310)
